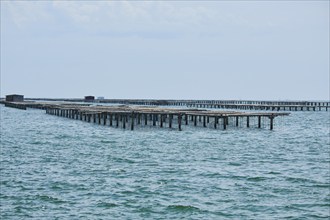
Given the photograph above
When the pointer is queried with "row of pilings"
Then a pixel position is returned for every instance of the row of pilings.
(174, 119)
(230, 104)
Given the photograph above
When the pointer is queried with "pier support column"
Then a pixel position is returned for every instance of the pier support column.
(138, 118)
(259, 121)
(225, 119)
(179, 121)
(215, 122)
(145, 119)
(161, 120)
(124, 122)
(195, 120)
(170, 121)
(153, 120)
(186, 118)
(117, 120)
(104, 118)
(236, 121)
(204, 121)
(271, 122)
(247, 121)
(132, 121)
(94, 118)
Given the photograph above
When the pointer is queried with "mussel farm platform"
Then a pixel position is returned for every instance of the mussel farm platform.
(131, 117)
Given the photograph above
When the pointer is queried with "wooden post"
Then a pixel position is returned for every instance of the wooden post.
(195, 120)
(247, 121)
(139, 118)
(94, 118)
(110, 118)
(186, 118)
(215, 121)
(99, 117)
(236, 121)
(271, 122)
(170, 121)
(104, 118)
(161, 120)
(204, 121)
(89, 117)
(225, 122)
(259, 121)
(145, 119)
(124, 121)
(117, 120)
(153, 120)
(132, 120)
(179, 121)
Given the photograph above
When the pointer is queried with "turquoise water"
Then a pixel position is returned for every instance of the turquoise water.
(58, 168)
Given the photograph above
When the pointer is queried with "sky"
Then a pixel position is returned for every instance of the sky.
(244, 50)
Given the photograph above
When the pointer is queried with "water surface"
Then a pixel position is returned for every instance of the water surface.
(57, 168)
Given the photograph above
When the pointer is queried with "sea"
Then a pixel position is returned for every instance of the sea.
(59, 168)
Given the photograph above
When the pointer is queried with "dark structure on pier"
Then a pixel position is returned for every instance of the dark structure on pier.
(89, 99)
(14, 98)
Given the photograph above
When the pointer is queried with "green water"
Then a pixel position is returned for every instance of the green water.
(57, 168)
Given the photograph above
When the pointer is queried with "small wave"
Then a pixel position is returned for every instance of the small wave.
(106, 204)
(49, 199)
(36, 142)
(183, 208)
(300, 180)
(274, 172)
(257, 178)
(123, 160)
(108, 141)
(234, 164)
(62, 136)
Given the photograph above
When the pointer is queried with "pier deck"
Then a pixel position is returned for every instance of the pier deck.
(131, 116)
(218, 104)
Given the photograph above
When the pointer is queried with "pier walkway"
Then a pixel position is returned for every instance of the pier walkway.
(219, 104)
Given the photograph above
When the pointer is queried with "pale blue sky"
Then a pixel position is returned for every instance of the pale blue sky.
(168, 50)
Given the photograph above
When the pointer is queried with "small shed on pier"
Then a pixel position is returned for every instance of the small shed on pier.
(89, 98)
(14, 98)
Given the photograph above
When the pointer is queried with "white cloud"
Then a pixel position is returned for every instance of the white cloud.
(24, 13)
(147, 16)
(112, 15)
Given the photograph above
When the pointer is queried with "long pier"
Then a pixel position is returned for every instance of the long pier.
(128, 117)
(218, 104)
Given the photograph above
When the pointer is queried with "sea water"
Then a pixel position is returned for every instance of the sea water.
(59, 168)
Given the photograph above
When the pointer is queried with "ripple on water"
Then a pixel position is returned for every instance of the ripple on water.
(183, 208)
(52, 167)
